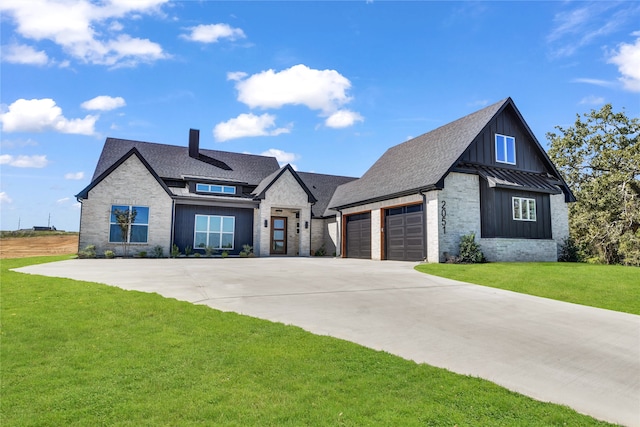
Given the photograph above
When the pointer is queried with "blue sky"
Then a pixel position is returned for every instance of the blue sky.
(325, 86)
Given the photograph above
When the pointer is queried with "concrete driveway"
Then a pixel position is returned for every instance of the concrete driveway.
(583, 357)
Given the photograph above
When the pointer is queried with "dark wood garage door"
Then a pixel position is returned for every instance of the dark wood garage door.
(405, 233)
(359, 236)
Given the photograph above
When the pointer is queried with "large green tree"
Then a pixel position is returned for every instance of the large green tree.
(599, 157)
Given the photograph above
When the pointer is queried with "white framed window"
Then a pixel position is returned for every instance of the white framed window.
(214, 231)
(523, 209)
(214, 188)
(137, 231)
(505, 149)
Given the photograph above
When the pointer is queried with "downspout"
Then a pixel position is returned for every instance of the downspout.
(339, 245)
(173, 223)
(424, 228)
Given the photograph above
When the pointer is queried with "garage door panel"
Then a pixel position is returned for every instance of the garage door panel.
(358, 236)
(405, 233)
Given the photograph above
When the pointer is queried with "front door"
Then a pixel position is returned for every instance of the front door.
(278, 235)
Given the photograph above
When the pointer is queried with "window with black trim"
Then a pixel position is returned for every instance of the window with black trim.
(137, 230)
(214, 188)
(505, 149)
(523, 209)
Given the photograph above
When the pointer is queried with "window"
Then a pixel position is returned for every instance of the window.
(138, 230)
(214, 231)
(524, 209)
(212, 188)
(505, 149)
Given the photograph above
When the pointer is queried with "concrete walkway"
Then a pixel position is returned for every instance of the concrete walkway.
(583, 357)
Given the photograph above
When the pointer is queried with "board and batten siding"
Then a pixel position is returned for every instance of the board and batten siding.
(496, 214)
(184, 229)
(483, 151)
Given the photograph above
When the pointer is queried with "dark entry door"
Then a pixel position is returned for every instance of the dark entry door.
(278, 235)
(359, 236)
(404, 228)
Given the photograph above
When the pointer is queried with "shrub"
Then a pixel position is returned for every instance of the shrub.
(209, 251)
(89, 251)
(224, 254)
(175, 251)
(469, 250)
(246, 251)
(109, 254)
(158, 252)
(197, 255)
(569, 251)
(142, 254)
(321, 251)
(188, 251)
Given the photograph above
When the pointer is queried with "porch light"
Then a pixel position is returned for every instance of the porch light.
(306, 224)
(266, 223)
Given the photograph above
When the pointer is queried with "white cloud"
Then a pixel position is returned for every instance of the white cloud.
(39, 115)
(592, 100)
(75, 25)
(63, 200)
(236, 75)
(23, 54)
(324, 90)
(343, 119)
(4, 198)
(36, 161)
(247, 125)
(596, 82)
(212, 33)
(74, 175)
(627, 58)
(282, 156)
(104, 103)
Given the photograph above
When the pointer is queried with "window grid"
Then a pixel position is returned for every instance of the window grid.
(214, 188)
(138, 231)
(505, 149)
(524, 209)
(215, 231)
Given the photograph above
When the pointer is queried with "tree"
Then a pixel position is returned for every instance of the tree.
(124, 218)
(599, 157)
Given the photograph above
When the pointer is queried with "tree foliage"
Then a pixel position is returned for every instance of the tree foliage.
(599, 157)
(124, 218)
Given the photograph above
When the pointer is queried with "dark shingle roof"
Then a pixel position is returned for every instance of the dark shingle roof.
(419, 163)
(262, 188)
(323, 186)
(171, 161)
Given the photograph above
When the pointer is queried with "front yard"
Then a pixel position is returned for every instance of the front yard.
(80, 353)
(612, 287)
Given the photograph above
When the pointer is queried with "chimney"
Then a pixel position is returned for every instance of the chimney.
(194, 143)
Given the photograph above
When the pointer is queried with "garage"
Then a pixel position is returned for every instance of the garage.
(358, 234)
(404, 228)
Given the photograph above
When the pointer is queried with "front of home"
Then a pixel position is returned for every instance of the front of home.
(485, 174)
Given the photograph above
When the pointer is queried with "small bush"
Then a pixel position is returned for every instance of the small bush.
(175, 251)
(224, 254)
(158, 252)
(469, 250)
(188, 251)
(321, 251)
(142, 254)
(246, 251)
(569, 251)
(109, 254)
(89, 251)
(197, 255)
(209, 251)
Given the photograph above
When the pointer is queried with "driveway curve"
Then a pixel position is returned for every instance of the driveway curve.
(582, 357)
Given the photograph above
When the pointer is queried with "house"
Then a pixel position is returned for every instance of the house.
(485, 173)
(205, 199)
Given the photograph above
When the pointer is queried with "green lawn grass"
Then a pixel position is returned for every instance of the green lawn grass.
(77, 353)
(613, 287)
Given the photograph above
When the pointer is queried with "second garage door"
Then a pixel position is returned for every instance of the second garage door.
(405, 233)
(359, 236)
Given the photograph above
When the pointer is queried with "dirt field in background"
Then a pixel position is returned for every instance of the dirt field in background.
(19, 247)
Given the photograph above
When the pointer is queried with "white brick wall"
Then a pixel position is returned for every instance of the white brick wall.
(559, 219)
(130, 184)
(285, 194)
